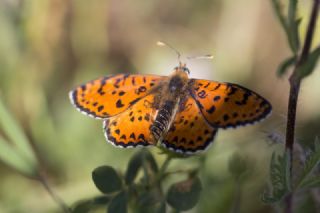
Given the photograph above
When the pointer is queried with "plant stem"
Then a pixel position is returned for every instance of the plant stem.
(53, 195)
(295, 81)
(164, 166)
(237, 197)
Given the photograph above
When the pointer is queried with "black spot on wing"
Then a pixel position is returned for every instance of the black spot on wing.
(245, 98)
(121, 93)
(133, 80)
(83, 88)
(216, 87)
(117, 131)
(232, 89)
(133, 136)
(119, 103)
(202, 94)
(141, 136)
(208, 84)
(100, 108)
(211, 109)
(216, 98)
(147, 117)
(100, 91)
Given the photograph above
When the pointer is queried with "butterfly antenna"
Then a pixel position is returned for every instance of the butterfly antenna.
(162, 44)
(207, 56)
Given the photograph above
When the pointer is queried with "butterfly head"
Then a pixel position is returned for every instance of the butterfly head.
(182, 68)
(179, 78)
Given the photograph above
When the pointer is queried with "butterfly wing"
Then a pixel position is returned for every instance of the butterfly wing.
(189, 132)
(131, 128)
(228, 105)
(109, 96)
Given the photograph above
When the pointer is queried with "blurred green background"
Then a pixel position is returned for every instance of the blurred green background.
(47, 47)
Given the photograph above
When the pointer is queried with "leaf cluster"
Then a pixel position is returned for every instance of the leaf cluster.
(290, 24)
(15, 148)
(140, 188)
(282, 184)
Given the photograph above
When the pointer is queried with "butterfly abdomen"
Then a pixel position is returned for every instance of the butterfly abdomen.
(162, 120)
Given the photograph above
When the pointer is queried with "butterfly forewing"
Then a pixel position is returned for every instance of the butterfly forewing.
(189, 132)
(228, 105)
(108, 96)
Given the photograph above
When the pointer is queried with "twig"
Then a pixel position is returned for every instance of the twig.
(53, 195)
(295, 81)
(164, 167)
(237, 197)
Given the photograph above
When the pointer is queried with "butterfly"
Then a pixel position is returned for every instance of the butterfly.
(180, 113)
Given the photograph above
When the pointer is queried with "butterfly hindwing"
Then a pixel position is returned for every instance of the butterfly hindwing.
(109, 96)
(228, 105)
(131, 128)
(189, 132)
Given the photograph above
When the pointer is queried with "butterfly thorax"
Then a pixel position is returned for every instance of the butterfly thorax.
(168, 101)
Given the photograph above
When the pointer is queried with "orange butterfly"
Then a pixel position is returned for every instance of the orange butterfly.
(179, 113)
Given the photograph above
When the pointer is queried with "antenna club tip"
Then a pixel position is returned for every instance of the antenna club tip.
(160, 43)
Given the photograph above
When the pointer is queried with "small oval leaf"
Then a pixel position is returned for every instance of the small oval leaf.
(285, 65)
(106, 179)
(152, 162)
(308, 67)
(86, 206)
(184, 195)
(134, 165)
(119, 203)
(82, 207)
(138, 160)
(101, 200)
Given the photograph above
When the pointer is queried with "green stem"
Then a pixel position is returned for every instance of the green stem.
(237, 197)
(164, 167)
(53, 195)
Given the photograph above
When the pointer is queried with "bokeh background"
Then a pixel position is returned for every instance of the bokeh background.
(47, 47)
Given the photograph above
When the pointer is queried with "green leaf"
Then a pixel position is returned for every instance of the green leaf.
(289, 24)
(184, 195)
(85, 206)
(141, 159)
(279, 178)
(313, 160)
(293, 27)
(11, 157)
(106, 179)
(149, 199)
(17, 137)
(307, 67)
(134, 165)
(82, 207)
(119, 203)
(312, 182)
(151, 161)
(284, 66)
(100, 200)
(277, 7)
